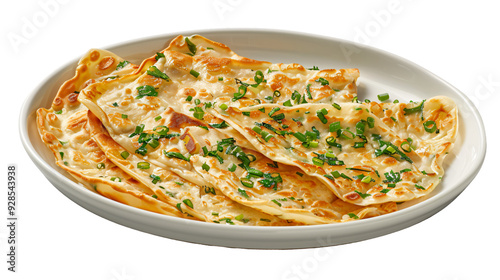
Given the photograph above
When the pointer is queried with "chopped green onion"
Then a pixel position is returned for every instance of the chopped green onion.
(300, 136)
(331, 141)
(317, 161)
(205, 167)
(122, 64)
(221, 125)
(335, 126)
(383, 96)
(243, 193)
(155, 72)
(308, 91)
(363, 195)
(124, 154)
(191, 46)
(175, 155)
(405, 146)
(336, 106)
(419, 187)
(353, 216)
(155, 178)
(430, 126)
(194, 73)
(415, 109)
(274, 110)
(115, 104)
(335, 174)
(321, 115)
(146, 90)
(360, 127)
(159, 55)
(255, 172)
(223, 107)
(143, 165)
(154, 143)
(259, 77)
(189, 98)
(371, 122)
(242, 90)
(158, 118)
(198, 113)
(266, 135)
(278, 117)
(310, 144)
(124, 116)
(323, 81)
(288, 103)
(346, 134)
(366, 179)
(188, 203)
(391, 149)
(358, 145)
(246, 182)
(276, 202)
(179, 207)
(116, 178)
(232, 167)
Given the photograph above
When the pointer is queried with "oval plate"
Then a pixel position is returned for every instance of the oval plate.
(380, 72)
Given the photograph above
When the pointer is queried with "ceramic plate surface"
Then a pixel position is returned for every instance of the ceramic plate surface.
(380, 72)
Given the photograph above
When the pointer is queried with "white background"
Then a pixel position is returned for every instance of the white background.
(457, 40)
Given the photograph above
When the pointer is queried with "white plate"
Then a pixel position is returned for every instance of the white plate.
(380, 72)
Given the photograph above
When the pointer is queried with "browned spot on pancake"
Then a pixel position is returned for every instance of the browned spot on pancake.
(49, 137)
(52, 117)
(278, 81)
(73, 97)
(150, 80)
(352, 196)
(228, 90)
(389, 161)
(215, 64)
(149, 107)
(88, 82)
(106, 62)
(97, 156)
(117, 120)
(378, 195)
(324, 213)
(90, 144)
(320, 204)
(77, 120)
(246, 60)
(94, 56)
(246, 102)
(57, 102)
(188, 92)
(291, 67)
